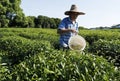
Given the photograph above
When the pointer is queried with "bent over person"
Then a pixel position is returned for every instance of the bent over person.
(68, 26)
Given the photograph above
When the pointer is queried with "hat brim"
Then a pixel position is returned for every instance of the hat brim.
(69, 12)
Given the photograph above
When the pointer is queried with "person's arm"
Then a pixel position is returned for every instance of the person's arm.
(61, 31)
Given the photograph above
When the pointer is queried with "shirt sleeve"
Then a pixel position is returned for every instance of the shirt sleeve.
(62, 25)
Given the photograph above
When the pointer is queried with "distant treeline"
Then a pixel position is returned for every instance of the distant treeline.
(36, 22)
(11, 15)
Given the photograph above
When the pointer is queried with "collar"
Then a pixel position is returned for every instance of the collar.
(71, 20)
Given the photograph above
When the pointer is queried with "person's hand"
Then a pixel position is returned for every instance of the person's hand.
(73, 31)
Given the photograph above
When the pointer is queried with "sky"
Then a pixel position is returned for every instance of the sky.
(98, 12)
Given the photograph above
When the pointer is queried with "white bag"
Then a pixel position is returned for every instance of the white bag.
(77, 42)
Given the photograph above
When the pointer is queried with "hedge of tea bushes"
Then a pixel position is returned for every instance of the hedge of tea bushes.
(104, 43)
(52, 38)
(56, 65)
(92, 36)
(31, 56)
(108, 49)
(17, 48)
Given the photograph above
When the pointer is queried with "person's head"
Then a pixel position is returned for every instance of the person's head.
(73, 12)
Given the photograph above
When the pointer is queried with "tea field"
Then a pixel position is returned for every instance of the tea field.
(33, 54)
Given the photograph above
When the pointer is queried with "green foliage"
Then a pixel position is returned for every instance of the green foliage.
(92, 36)
(10, 9)
(11, 15)
(104, 43)
(29, 54)
(17, 48)
(108, 49)
(46, 22)
(30, 21)
(54, 65)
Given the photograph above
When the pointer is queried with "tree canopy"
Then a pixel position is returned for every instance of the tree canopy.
(11, 15)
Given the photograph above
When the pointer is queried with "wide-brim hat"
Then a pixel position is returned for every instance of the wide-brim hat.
(74, 9)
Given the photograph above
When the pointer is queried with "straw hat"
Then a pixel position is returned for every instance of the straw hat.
(74, 9)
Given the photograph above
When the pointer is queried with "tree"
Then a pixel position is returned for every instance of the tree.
(11, 15)
(11, 12)
(52, 23)
(57, 21)
(30, 21)
(46, 22)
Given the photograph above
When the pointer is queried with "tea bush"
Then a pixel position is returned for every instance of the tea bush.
(92, 36)
(29, 54)
(17, 48)
(56, 65)
(108, 49)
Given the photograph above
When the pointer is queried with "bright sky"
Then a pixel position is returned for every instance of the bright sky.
(98, 12)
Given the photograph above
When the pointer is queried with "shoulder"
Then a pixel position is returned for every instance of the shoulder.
(66, 19)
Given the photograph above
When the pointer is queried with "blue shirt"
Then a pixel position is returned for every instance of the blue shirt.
(66, 23)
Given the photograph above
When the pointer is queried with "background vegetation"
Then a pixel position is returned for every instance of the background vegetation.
(30, 52)
(11, 15)
(33, 54)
